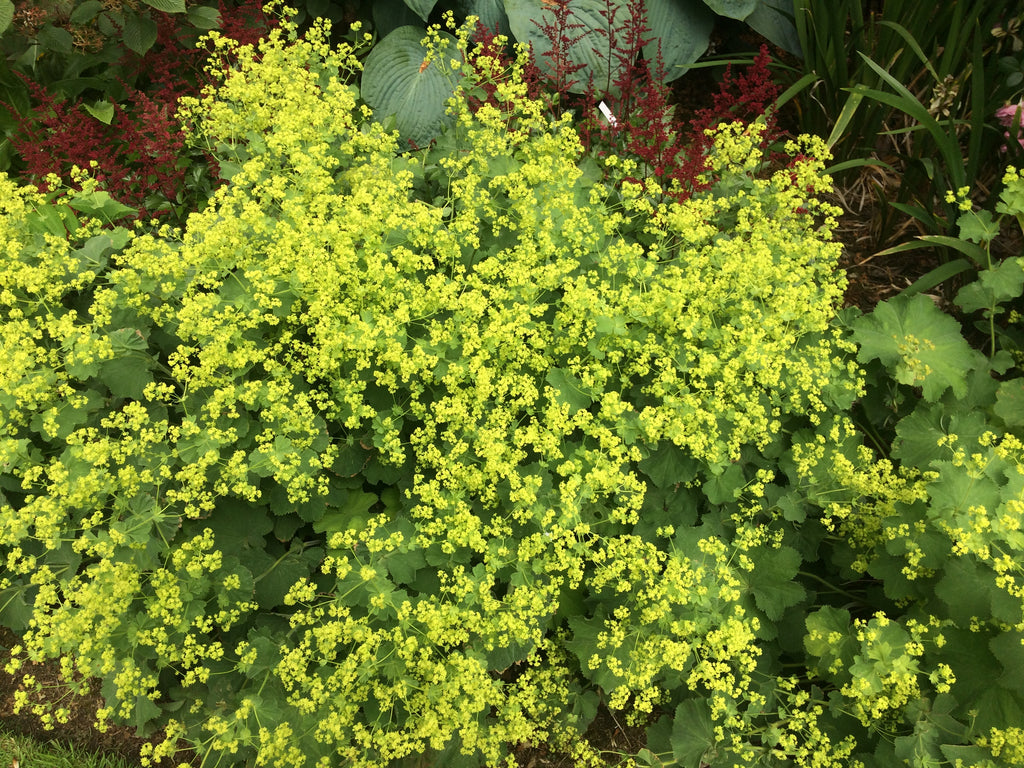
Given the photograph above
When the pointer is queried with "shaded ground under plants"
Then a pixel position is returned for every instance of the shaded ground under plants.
(78, 731)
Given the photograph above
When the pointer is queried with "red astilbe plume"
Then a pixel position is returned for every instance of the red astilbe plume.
(139, 155)
(245, 22)
(136, 154)
(562, 34)
(745, 98)
(676, 152)
(643, 123)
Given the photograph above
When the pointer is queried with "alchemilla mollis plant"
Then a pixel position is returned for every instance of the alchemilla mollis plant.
(394, 456)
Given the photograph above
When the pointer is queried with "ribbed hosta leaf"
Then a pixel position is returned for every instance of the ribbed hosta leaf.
(399, 82)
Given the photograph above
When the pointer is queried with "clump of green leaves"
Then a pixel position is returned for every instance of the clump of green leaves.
(920, 647)
(391, 453)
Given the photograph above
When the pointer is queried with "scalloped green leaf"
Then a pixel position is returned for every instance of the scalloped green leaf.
(993, 286)
(399, 82)
(693, 733)
(822, 626)
(918, 435)
(1010, 403)
(919, 343)
(569, 390)
(772, 581)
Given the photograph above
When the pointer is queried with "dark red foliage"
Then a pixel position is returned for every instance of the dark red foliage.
(645, 125)
(563, 35)
(245, 22)
(137, 154)
(140, 153)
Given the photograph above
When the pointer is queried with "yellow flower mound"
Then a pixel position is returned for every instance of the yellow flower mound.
(452, 365)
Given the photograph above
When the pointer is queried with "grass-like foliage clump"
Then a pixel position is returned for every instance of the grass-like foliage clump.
(391, 453)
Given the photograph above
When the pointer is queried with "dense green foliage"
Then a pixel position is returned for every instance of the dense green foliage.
(391, 453)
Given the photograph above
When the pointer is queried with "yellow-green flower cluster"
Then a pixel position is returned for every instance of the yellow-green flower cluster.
(429, 384)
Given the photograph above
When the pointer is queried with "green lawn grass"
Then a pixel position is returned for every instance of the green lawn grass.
(18, 751)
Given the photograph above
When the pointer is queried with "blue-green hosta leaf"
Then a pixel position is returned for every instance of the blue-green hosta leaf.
(525, 18)
(774, 20)
(490, 14)
(680, 32)
(919, 343)
(389, 15)
(734, 9)
(422, 8)
(398, 82)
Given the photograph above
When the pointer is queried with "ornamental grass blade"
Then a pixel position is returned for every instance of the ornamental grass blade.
(845, 116)
(933, 277)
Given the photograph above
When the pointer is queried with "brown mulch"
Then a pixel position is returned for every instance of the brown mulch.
(79, 732)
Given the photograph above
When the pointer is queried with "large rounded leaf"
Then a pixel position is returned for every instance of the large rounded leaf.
(682, 31)
(528, 17)
(734, 9)
(490, 13)
(774, 20)
(6, 14)
(399, 83)
(422, 8)
(389, 15)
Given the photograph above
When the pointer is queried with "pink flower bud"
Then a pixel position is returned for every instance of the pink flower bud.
(1006, 115)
